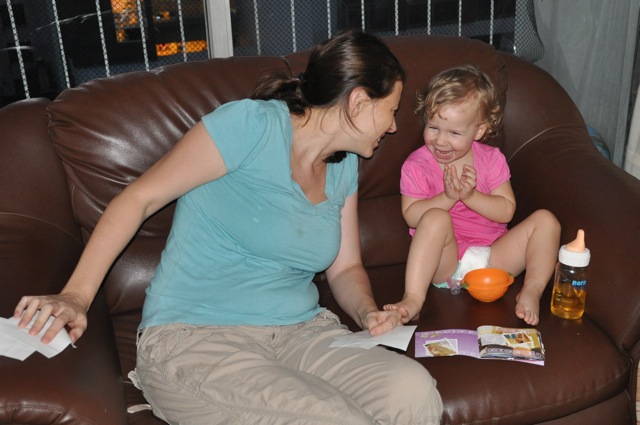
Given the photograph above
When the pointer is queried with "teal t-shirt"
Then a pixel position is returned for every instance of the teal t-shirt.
(243, 249)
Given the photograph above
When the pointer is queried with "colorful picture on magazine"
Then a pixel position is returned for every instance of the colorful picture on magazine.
(487, 342)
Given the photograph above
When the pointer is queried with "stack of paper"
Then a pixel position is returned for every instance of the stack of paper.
(398, 337)
(18, 344)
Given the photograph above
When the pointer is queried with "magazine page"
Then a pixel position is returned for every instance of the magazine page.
(520, 344)
(449, 342)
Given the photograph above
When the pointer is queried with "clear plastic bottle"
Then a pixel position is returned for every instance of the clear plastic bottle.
(570, 281)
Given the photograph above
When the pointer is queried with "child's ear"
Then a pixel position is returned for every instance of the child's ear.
(482, 129)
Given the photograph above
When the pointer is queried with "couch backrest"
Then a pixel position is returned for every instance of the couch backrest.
(108, 131)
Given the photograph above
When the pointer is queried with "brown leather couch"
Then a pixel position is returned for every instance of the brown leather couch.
(62, 161)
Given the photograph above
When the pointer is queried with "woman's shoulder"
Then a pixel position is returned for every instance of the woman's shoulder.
(252, 106)
(246, 115)
(239, 127)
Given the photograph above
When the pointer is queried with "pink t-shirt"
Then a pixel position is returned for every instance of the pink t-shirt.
(423, 178)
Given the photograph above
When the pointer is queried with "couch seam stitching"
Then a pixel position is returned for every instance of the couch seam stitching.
(42, 221)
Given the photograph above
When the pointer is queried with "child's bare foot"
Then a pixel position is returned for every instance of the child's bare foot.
(409, 308)
(528, 307)
(404, 314)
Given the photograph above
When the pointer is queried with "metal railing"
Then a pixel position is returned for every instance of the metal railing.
(46, 49)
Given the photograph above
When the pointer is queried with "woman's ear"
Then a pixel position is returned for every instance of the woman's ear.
(357, 99)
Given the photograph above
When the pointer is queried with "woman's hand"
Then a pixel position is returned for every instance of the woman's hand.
(379, 322)
(66, 308)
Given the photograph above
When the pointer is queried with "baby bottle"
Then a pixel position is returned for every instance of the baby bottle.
(570, 281)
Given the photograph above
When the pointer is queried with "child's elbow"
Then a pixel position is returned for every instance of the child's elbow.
(510, 210)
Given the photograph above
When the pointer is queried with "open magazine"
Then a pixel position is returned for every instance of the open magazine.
(487, 342)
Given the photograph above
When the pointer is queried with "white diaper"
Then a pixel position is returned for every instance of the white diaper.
(475, 257)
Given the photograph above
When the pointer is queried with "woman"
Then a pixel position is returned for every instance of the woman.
(231, 330)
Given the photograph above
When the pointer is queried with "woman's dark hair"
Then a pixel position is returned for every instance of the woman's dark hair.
(344, 62)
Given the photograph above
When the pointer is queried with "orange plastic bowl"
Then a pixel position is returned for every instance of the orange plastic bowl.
(487, 284)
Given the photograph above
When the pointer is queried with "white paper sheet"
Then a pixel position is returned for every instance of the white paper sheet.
(18, 344)
(399, 337)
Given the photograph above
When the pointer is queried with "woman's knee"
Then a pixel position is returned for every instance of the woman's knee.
(414, 395)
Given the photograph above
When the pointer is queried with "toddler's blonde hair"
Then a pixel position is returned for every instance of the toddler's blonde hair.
(457, 85)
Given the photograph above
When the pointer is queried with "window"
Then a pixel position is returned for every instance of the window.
(61, 43)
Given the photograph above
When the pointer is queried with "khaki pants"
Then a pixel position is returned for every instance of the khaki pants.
(250, 375)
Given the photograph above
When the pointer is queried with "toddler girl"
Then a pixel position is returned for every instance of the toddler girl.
(457, 198)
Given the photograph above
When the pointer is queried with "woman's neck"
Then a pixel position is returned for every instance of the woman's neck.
(310, 148)
(315, 137)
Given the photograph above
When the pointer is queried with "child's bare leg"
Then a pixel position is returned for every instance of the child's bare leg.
(532, 244)
(433, 256)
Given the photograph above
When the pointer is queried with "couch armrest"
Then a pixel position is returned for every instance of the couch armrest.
(555, 165)
(565, 173)
(40, 243)
(78, 386)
